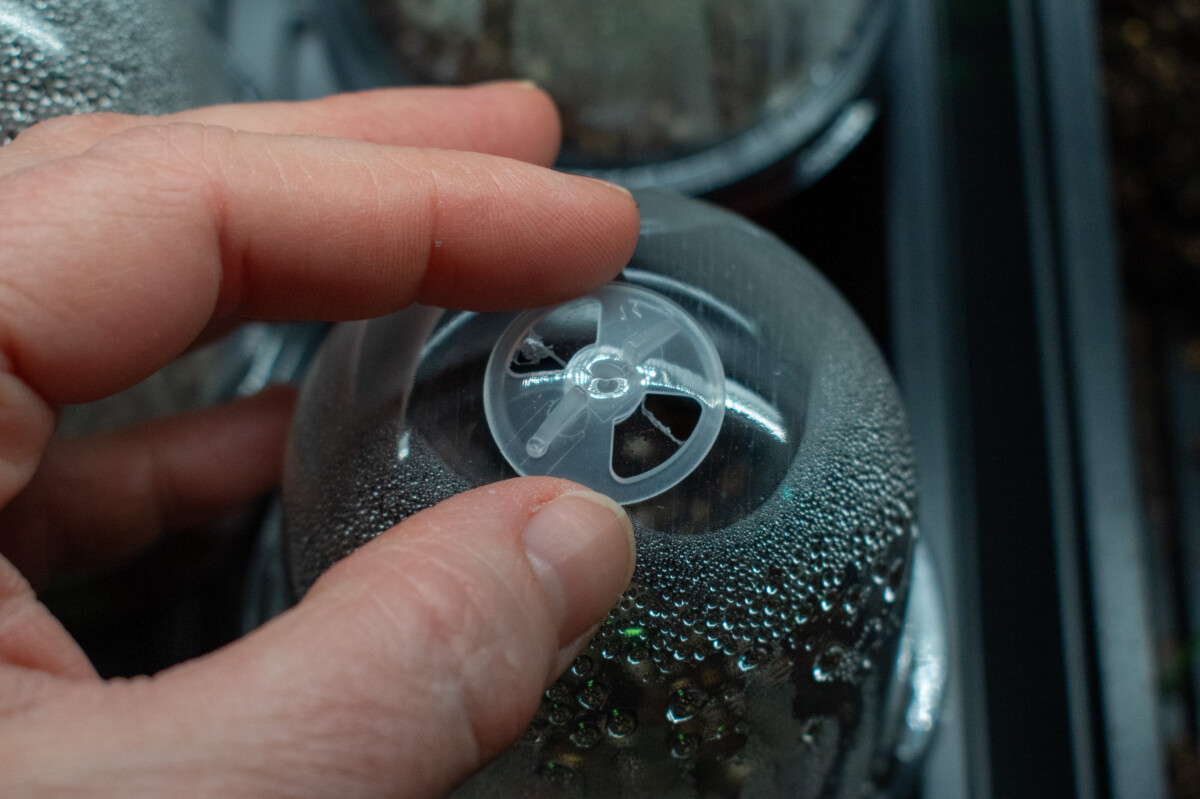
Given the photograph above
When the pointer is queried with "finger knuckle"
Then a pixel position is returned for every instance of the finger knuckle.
(70, 131)
(168, 144)
(169, 163)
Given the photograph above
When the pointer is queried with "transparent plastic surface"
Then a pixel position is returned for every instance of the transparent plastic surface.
(132, 56)
(682, 94)
(753, 653)
(560, 417)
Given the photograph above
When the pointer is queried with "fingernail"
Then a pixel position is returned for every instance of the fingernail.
(616, 186)
(581, 548)
(510, 83)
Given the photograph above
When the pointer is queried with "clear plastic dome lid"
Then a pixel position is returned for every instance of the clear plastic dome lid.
(751, 650)
(682, 94)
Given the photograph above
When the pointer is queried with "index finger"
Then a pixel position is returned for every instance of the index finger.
(113, 261)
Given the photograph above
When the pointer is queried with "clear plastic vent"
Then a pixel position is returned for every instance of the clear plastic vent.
(621, 391)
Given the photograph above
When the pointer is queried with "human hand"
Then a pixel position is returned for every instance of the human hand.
(123, 240)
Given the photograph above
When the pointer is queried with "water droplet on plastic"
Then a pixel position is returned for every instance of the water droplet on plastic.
(684, 704)
(827, 663)
(593, 695)
(851, 599)
(622, 723)
(586, 735)
(555, 773)
(534, 734)
(879, 573)
(685, 745)
(637, 653)
(560, 713)
(751, 660)
(811, 732)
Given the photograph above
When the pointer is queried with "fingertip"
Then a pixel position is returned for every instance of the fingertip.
(577, 233)
(610, 234)
(627, 221)
(538, 111)
(582, 550)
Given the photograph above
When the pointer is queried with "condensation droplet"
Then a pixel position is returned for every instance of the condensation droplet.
(555, 773)
(586, 735)
(811, 732)
(593, 695)
(560, 713)
(751, 659)
(684, 704)
(879, 573)
(583, 666)
(827, 663)
(535, 733)
(622, 723)
(558, 691)
(685, 745)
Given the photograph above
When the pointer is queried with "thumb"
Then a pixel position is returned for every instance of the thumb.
(406, 668)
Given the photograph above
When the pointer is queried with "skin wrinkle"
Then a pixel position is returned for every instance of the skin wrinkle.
(162, 194)
(377, 205)
(437, 567)
(25, 231)
(13, 297)
(64, 697)
(202, 182)
(24, 689)
(233, 253)
(514, 187)
(436, 265)
(231, 273)
(346, 725)
(173, 742)
(492, 657)
(15, 612)
(346, 737)
(416, 215)
(309, 721)
(442, 278)
(281, 175)
(369, 204)
(66, 135)
(490, 651)
(355, 237)
(447, 624)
